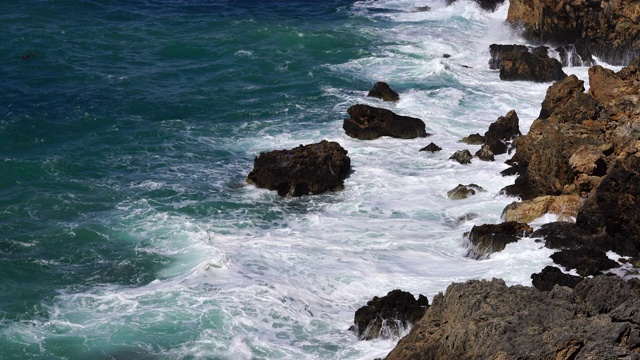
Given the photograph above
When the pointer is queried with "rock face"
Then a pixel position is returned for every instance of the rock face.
(496, 51)
(586, 261)
(462, 156)
(501, 132)
(489, 238)
(431, 148)
(551, 276)
(565, 206)
(463, 191)
(389, 316)
(368, 123)
(608, 29)
(381, 90)
(489, 5)
(530, 66)
(598, 319)
(309, 169)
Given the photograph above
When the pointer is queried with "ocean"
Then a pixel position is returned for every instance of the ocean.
(127, 129)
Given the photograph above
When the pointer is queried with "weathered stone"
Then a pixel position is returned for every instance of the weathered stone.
(496, 51)
(586, 261)
(309, 169)
(463, 191)
(473, 139)
(489, 238)
(462, 156)
(502, 132)
(551, 276)
(485, 153)
(422, 8)
(381, 90)
(431, 148)
(389, 316)
(565, 206)
(368, 123)
(588, 160)
(527, 66)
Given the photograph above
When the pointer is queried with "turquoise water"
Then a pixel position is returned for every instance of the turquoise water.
(127, 129)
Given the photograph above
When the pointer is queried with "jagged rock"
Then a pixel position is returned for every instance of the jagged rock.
(565, 206)
(462, 156)
(463, 191)
(523, 65)
(422, 8)
(431, 148)
(381, 90)
(551, 276)
(589, 160)
(501, 132)
(489, 238)
(586, 261)
(389, 316)
(309, 169)
(473, 139)
(488, 320)
(608, 29)
(489, 5)
(577, 54)
(496, 51)
(485, 153)
(368, 123)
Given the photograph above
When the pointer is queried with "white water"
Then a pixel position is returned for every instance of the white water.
(290, 289)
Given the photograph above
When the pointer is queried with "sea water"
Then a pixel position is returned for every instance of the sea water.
(127, 129)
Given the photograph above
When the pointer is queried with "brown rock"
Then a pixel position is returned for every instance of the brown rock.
(381, 90)
(485, 153)
(528, 66)
(501, 132)
(368, 123)
(565, 206)
(489, 238)
(489, 5)
(588, 160)
(462, 156)
(463, 191)
(473, 139)
(431, 148)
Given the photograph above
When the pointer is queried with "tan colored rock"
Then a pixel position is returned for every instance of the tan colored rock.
(588, 160)
(565, 206)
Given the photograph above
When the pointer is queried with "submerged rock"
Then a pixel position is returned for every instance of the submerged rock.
(309, 169)
(389, 316)
(463, 191)
(381, 90)
(489, 5)
(368, 123)
(431, 148)
(462, 156)
(586, 261)
(489, 238)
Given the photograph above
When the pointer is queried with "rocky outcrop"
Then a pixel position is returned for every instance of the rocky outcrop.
(496, 51)
(502, 132)
(368, 123)
(389, 316)
(381, 90)
(431, 148)
(473, 139)
(309, 169)
(463, 191)
(598, 319)
(485, 153)
(489, 5)
(551, 276)
(489, 238)
(462, 156)
(530, 66)
(608, 29)
(586, 261)
(565, 206)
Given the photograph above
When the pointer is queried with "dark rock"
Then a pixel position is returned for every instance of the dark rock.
(530, 67)
(489, 238)
(575, 55)
(381, 90)
(566, 235)
(488, 320)
(551, 276)
(463, 191)
(431, 148)
(309, 169)
(446, 56)
(586, 261)
(473, 139)
(502, 132)
(485, 153)
(422, 8)
(497, 50)
(389, 316)
(462, 156)
(488, 5)
(368, 123)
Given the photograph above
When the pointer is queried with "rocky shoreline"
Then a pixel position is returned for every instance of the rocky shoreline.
(580, 160)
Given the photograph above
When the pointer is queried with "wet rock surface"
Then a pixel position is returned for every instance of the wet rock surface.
(431, 148)
(463, 191)
(489, 5)
(489, 238)
(551, 276)
(381, 90)
(462, 156)
(369, 123)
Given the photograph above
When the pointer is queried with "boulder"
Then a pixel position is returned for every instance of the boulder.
(422, 8)
(551, 276)
(462, 156)
(523, 65)
(608, 29)
(576, 54)
(565, 206)
(488, 5)
(496, 51)
(431, 148)
(473, 139)
(463, 191)
(485, 153)
(368, 123)
(381, 90)
(489, 238)
(389, 316)
(588, 160)
(502, 132)
(308, 169)
(586, 261)
(482, 319)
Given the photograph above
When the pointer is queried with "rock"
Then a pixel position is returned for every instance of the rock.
(501, 132)
(309, 169)
(566, 102)
(565, 206)
(489, 238)
(482, 319)
(431, 148)
(608, 29)
(586, 261)
(473, 139)
(485, 153)
(463, 191)
(575, 55)
(589, 160)
(368, 123)
(530, 67)
(381, 90)
(389, 316)
(496, 51)
(422, 8)
(446, 56)
(488, 5)
(462, 156)
(551, 276)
